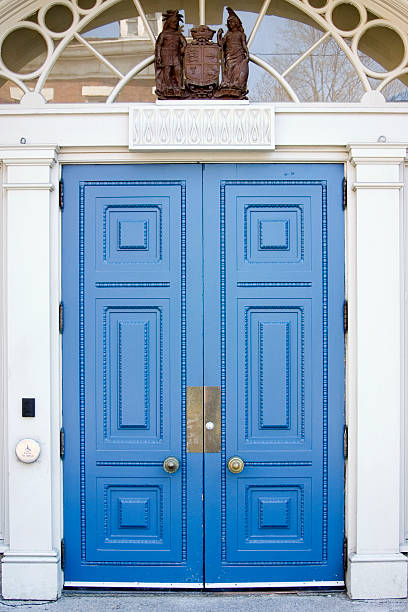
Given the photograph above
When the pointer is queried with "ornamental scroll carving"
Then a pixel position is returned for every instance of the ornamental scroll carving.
(191, 70)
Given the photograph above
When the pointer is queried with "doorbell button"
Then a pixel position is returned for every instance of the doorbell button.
(28, 450)
(209, 425)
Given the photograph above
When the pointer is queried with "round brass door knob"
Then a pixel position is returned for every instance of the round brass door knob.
(236, 465)
(171, 465)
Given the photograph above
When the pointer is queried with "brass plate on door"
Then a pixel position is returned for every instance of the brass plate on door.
(203, 419)
(212, 419)
(195, 410)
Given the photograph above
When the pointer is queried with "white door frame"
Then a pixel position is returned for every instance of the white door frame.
(32, 347)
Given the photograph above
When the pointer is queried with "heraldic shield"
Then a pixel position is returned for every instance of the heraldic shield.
(202, 60)
(202, 64)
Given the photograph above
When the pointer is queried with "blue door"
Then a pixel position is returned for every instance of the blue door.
(273, 330)
(203, 322)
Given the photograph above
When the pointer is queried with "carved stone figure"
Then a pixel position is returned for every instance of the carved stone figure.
(235, 59)
(169, 52)
(202, 63)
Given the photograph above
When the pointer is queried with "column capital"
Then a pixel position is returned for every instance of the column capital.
(377, 152)
(23, 154)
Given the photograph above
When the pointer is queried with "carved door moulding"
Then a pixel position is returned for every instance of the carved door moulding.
(198, 125)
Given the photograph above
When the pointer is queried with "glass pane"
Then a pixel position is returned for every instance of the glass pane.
(381, 48)
(247, 17)
(280, 41)
(24, 50)
(80, 76)
(264, 88)
(10, 93)
(140, 89)
(396, 91)
(326, 75)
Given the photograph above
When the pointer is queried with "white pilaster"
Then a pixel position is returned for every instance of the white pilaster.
(376, 569)
(31, 566)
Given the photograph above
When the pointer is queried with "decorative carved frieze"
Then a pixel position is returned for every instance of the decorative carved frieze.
(210, 125)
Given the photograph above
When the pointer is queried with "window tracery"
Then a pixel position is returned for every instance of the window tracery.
(300, 50)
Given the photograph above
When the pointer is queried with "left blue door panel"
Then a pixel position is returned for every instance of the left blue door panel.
(132, 344)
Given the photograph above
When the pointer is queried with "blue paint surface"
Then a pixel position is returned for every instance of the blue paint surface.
(131, 345)
(274, 290)
(222, 275)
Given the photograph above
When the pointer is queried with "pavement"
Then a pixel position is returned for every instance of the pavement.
(261, 601)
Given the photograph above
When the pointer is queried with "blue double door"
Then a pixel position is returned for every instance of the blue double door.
(203, 321)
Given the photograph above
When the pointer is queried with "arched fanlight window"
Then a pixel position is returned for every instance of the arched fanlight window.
(301, 50)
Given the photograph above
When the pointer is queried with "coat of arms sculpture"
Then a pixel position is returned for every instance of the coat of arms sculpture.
(191, 70)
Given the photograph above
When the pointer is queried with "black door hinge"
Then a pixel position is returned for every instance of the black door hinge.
(345, 316)
(345, 554)
(61, 195)
(62, 442)
(62, 554)
(61, 317)
(345, 442)
(344, 193)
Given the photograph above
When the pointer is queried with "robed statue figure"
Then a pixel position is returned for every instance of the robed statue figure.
(235, 58)
(169, 52)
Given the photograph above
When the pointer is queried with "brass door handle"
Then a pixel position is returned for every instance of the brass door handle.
(236, 465)
(171, 465)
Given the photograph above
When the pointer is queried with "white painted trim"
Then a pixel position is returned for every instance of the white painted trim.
(404, 367)
(377, 186)
(29, 186)
(122, 108)
(380, 558)
(121, 155)
(3, 373)
(29, 556)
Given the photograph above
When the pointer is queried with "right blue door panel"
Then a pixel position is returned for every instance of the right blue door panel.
(274, 290)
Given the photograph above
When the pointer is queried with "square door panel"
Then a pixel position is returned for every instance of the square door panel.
(133, 513)
(273, 233)
(133, 235)
(274, 513)
(132, 232)
(270, 518)
(136, 519)
(273, 230)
